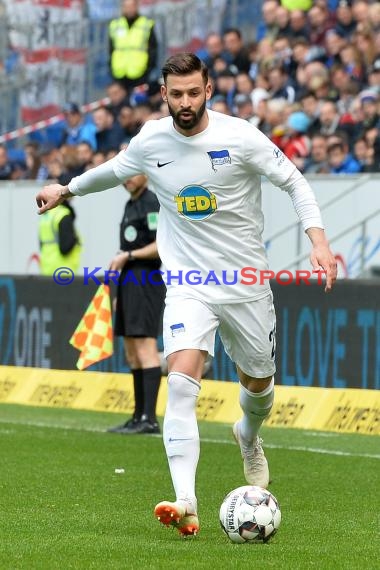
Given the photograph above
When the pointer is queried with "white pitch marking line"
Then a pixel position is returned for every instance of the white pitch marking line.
(321, 434)
(51, 425)
(301, 448)
(335, 452)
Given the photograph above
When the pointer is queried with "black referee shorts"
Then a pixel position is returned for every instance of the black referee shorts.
(139, 306)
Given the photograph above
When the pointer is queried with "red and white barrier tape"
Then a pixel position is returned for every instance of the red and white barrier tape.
(22, 131)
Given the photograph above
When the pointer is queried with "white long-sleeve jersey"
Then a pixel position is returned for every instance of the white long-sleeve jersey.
(209, 188)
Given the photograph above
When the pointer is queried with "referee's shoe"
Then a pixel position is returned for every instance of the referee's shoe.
(144, 425)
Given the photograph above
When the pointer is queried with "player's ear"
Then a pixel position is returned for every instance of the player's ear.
(164, 93)
(209, 89)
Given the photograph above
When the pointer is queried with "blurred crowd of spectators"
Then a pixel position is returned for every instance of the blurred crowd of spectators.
(310, 80)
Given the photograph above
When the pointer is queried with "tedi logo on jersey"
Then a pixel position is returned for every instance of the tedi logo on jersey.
(195, 203)
(218, 158)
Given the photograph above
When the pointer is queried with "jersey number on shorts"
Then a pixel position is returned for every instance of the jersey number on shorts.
(272, 339)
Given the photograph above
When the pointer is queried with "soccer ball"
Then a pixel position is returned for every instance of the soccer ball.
(250, 514)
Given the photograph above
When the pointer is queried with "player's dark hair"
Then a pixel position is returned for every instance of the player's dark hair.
(184, 64)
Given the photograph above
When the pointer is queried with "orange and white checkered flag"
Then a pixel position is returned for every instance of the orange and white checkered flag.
(94, 335)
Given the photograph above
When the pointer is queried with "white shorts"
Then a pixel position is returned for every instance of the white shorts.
(247, 331)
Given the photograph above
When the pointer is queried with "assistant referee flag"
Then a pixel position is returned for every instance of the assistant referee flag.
(94, 334)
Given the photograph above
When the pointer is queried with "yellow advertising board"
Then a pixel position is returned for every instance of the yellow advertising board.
(328, 409)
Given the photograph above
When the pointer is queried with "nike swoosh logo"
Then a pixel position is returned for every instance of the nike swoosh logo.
(180, 439)
(161, 164)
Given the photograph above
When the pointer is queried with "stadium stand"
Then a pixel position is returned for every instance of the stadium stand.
(319, 60)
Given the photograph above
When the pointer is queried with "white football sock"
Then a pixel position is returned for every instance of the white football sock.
(181, 436)
(256, 407)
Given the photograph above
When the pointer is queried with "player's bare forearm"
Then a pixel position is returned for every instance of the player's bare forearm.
(321, 256)
(51, 196)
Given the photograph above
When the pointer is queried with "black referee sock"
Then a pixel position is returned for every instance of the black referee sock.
(151, 383)
(138, 387)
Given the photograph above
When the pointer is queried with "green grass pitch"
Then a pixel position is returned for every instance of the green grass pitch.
(63, 507)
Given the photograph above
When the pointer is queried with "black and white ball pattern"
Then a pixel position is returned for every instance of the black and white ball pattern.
(250, 514)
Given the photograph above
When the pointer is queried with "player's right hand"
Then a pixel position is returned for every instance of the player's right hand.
(49, 197)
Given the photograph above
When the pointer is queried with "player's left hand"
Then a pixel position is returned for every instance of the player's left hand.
(323, 259)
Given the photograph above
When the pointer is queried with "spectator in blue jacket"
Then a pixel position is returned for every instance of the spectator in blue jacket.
(340, 160)
(76, 129)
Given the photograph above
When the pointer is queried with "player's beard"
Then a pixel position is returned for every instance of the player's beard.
(191, 123)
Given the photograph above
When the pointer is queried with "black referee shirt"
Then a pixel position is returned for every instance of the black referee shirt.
(139, 224)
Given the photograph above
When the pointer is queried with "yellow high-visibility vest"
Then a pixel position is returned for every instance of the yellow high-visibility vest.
(50, 256)
(297, 4)
(130, 47)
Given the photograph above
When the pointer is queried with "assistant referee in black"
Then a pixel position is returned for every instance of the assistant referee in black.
(140, 301)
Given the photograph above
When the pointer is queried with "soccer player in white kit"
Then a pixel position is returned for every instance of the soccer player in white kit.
(206, 169)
